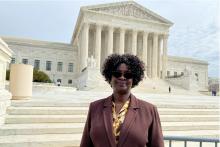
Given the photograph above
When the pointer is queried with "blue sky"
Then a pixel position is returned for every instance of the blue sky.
(195, 33)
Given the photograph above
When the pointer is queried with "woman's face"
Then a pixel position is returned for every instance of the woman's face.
(121, 81)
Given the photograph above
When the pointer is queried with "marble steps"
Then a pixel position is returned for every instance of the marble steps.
(26, 103)
(19, 119)
(83, 110)
(42, 140)
(22, 119)
(87, 97)
(95, 96)
(190, 128)
(191, 105)
(56, 140)
(41, 128)
(66, 120)
(189, 118)
(43, 122)
(47, 110)
(74, 128)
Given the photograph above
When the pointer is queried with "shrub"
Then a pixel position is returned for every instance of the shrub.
(7, 74)
(38, 76)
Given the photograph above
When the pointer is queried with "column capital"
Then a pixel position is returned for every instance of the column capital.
(86, 24)
(165, 36)
(98, 25)
(122, 29)
(110, 28)
(135, 30)
(160, 36)
(155, 33)
(146, 32)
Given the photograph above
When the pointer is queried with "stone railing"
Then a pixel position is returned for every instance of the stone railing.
(5, 96)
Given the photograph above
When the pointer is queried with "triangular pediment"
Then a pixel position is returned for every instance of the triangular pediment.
(128, 9)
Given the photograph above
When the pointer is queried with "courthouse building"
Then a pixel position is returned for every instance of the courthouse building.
(100, 30)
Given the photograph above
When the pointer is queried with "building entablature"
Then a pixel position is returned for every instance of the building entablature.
(37, 43)
(124, 22)
(187, 60)
(128, 15)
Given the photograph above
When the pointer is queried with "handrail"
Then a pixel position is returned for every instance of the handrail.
(186, 139)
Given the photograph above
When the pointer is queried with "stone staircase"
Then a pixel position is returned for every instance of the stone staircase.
(58, 120)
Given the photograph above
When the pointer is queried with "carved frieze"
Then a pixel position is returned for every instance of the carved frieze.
(129, 10)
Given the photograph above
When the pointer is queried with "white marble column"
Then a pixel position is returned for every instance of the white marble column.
(159, 57)
(154, 59)
(98, 45)
(122, 41)
(206, 79)
(110, 40)
(164, 58)
(84, 46)
(144, 54)
(134, 42)
(149, 60)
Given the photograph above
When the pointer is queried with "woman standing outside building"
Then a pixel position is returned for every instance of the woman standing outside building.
(122, 120)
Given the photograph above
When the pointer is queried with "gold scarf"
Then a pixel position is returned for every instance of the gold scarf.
(118, 119)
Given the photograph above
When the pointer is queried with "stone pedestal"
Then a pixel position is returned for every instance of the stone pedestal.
(21, 77)
(91, 79)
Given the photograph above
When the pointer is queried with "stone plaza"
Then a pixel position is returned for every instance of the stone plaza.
(55, 117)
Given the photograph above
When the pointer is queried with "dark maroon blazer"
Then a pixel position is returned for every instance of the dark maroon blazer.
(141, 127)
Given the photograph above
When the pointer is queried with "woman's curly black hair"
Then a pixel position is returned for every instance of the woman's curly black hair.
(135, 65)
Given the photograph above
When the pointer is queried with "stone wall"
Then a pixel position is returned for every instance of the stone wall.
(46, 51)
(183, 82)
(196, 69)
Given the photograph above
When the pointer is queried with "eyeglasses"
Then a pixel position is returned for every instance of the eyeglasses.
(127, 75)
